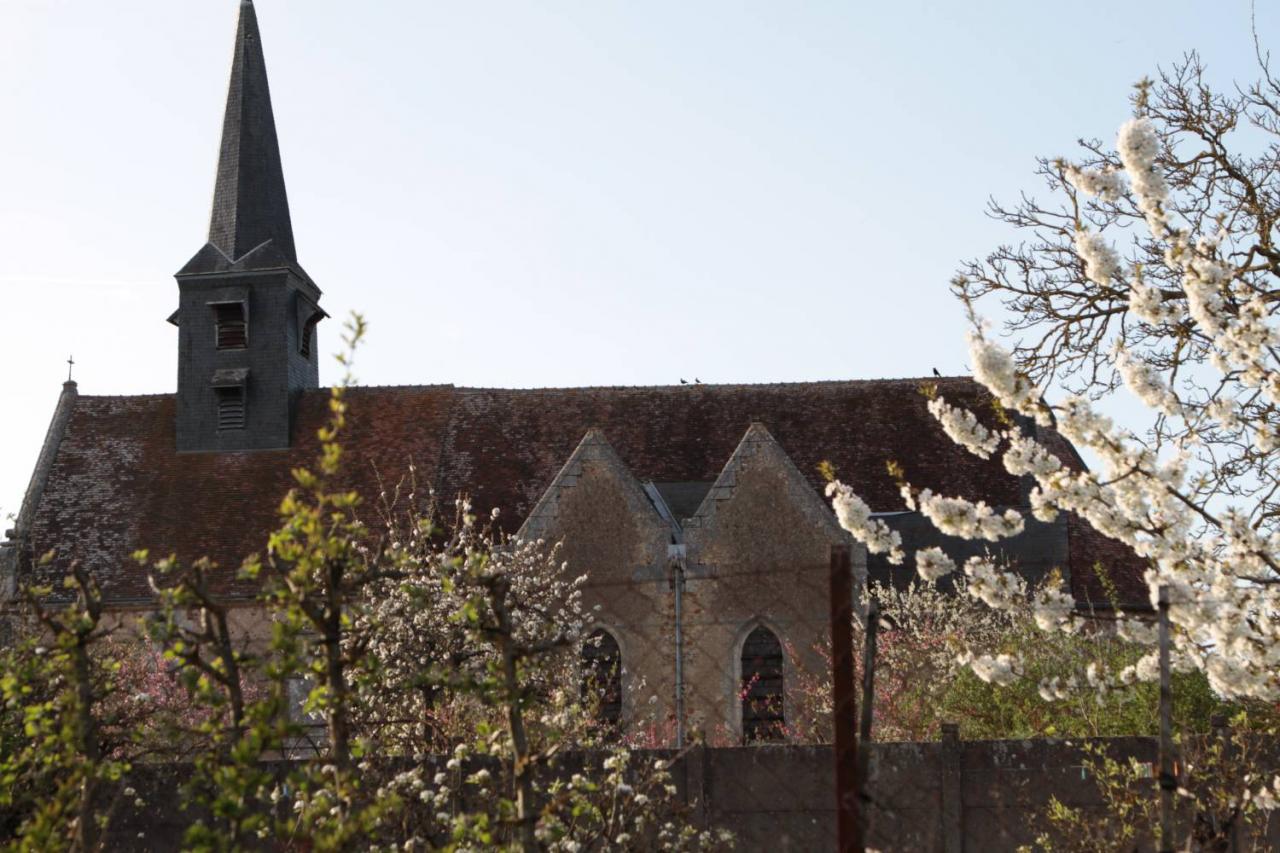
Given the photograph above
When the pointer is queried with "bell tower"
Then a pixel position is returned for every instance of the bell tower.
(247, 310)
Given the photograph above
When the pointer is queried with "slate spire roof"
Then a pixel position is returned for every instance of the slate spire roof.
(250, 206)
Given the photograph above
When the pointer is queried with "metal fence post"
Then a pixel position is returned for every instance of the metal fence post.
(1226, 743)
(845, 711)
(1168, 784)
(862, 781)
(952, 766)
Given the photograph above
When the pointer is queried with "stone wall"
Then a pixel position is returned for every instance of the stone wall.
(947, 796)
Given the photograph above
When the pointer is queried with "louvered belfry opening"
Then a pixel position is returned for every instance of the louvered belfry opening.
(763, 719)
(602, 677)
(233, 328)
(231, 411)
(308, 331)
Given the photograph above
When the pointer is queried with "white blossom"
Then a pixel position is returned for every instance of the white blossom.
(969, 520)
(854, 516)
(1148, 304)
(1054, 610)
(999, 669)
(994, 367)
(933, 564)
(962, 426)
(1106, 184)
(1101, 263)
(1146, 383)
(997, 589)
(1138, 146)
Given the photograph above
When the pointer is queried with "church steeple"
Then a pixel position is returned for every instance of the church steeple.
(247, 311)
(250, 205)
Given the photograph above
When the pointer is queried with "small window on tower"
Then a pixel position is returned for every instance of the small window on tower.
(233, 328)
(230, 408)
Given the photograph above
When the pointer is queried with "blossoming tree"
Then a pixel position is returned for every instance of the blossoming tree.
(1153, 273)
(393, 644)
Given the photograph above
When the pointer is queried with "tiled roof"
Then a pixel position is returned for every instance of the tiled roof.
(118, 485)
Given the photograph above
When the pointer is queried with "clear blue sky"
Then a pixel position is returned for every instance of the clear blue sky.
(546, 194)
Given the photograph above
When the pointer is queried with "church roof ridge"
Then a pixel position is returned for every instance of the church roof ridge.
(402, 386)
(782, 383)
(705, 386)
(792, 384)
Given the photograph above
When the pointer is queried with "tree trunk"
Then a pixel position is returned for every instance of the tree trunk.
(338, 723)
(235, 691)
(86, 839)
(515, 718)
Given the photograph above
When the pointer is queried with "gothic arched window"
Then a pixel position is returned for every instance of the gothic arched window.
(762, 711)
(602, 676)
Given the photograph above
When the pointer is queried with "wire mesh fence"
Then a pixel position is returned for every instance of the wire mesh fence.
(753, 668)
(731, 671)
(774, 672)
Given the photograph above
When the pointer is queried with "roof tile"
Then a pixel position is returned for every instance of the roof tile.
(118, 484)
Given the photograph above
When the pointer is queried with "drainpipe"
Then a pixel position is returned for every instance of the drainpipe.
(676, 560)
(676, 553)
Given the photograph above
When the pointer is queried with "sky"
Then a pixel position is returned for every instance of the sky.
(549, 194)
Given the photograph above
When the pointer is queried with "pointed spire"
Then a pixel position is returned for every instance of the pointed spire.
(249, 202)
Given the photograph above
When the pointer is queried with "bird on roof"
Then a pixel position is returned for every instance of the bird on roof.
(683, 381)
(936, 373)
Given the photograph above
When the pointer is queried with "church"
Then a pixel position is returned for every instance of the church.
(695, 511)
